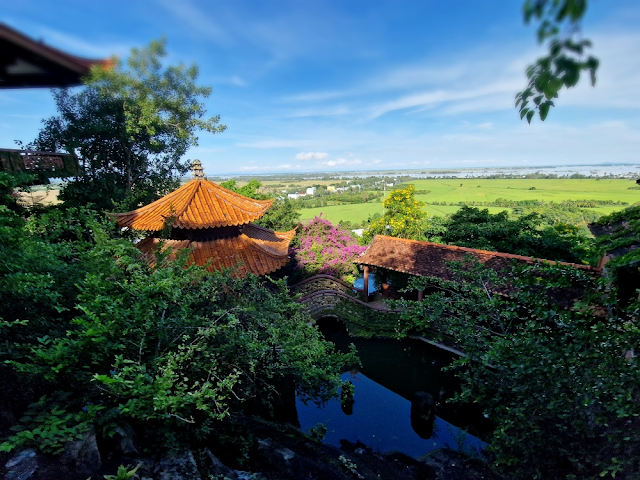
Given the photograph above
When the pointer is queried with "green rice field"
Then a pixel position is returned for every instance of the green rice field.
(489, 190)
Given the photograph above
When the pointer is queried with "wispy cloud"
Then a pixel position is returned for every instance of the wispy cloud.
(312, 156)
(81, 47)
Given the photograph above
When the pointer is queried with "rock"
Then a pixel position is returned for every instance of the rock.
(22, 466)
(179, 466)
(216, 468)
(82, 455)
(124, 435)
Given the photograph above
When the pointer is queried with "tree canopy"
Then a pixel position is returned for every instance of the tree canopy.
(403, 216)
(560, 384)
(283, 215)
(527, 235)
(323, 247)
(129, 128)
(93, 337)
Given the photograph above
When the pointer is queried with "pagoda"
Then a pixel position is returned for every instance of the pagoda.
(215, 223)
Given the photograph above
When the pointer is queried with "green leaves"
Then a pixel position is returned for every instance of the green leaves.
(554, 380)
(129, 128)
(564, 62)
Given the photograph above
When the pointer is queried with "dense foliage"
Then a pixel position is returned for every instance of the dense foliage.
(283, 215)
(129, 129)
(326, 248)
(93, 337)
(527, 235)
(403, 216)
(555, 381)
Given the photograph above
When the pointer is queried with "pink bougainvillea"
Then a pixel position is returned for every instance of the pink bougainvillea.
(327, 248)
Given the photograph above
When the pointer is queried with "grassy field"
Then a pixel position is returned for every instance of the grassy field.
(485, 190)
(460, 190)
(489, 190)
(359, 212)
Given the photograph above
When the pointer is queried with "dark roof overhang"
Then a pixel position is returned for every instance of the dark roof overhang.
(27, 63)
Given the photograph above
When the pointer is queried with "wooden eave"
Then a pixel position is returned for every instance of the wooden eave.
(27, 63)
(257, 250)
(197, 204)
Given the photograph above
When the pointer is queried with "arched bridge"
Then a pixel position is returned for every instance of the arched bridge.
(322, 294)
(327, 296)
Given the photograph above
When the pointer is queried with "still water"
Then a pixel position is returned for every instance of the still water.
(391, 375)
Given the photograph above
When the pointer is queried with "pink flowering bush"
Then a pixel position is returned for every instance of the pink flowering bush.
(323, 247)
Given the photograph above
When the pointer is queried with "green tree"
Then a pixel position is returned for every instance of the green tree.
(169, 350)
(129, 128)
(561, 67)
(554, 380)
(283, 215)
(251, 189)
(403, 216)
(526, 235)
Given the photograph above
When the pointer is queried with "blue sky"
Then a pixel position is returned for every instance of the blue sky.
(349, 85)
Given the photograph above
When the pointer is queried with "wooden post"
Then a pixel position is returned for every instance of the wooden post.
(420, 295)
(366, 283)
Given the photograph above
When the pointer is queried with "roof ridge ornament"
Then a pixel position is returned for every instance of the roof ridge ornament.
(197, 170)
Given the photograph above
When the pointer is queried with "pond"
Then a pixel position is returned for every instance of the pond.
(392, 374)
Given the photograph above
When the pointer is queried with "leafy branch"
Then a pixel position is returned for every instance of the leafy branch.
(565, 60)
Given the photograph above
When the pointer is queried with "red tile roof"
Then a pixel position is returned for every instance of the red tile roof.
(197, 204)
(256, 250)
(430, 259)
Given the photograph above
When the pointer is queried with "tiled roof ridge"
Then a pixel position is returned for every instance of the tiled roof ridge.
(239, 196)
(241, 209)
(484, 252)
(264, 245)
(263, 248)
(268, 230)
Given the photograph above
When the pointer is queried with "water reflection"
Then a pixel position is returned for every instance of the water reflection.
(423, 414)
(398, 400)
(383, 420)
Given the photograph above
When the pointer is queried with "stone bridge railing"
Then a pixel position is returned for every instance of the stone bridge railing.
(327, 296)
(320, 302)
(322, 282)
(322, 294)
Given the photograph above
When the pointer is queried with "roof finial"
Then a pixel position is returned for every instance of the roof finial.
(198, 171)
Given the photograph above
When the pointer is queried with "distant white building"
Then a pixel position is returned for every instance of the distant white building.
(311, 191)
(296, 196)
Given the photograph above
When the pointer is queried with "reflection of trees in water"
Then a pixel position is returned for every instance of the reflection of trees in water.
(423, 414)
(346, 398)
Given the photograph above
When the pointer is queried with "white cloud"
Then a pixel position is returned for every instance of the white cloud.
(318, 156)
(337, 161)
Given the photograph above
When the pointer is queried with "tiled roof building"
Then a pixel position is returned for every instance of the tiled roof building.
(428, 259)
(216, 224)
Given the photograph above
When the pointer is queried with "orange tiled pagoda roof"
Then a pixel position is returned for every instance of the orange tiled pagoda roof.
(197, 204)
(256, 250)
